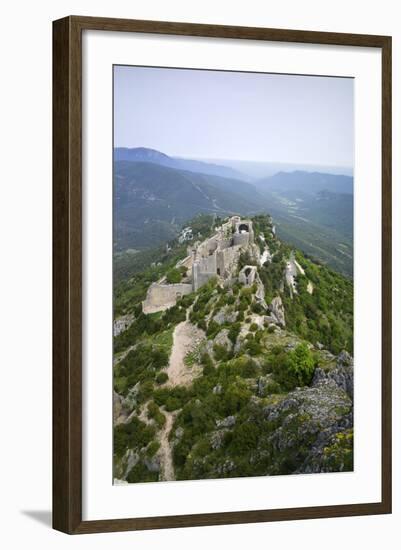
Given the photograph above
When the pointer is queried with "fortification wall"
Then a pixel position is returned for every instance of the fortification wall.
(207, 264)
(225, 243)
(227, 259)
(208, 247)
(241, 239)
(161, 297)
(203, 271)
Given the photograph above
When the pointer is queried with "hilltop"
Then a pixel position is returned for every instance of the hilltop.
(233, 357)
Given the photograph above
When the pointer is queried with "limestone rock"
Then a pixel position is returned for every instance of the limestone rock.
(277, 310)
(152, 464)
(225, 316)
(217, 439)
(179, 432)
(222, 339)
(342, 375)
(227, 422)
(308, 419)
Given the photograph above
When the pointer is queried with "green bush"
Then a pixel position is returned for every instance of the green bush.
(234, 331)
(235, 397)
(152, 448)
(174, 276)
(172, 404)
(257, 308)
(254, 327)
(140, 474)
(155, 413)
(240, 317)
(293, 368)
(134, 434)
(244, 438)
(213, 329)
(221, 353)
(162, 377)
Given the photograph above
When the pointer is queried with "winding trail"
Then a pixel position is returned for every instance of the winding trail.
(165, 451)
(186, 338)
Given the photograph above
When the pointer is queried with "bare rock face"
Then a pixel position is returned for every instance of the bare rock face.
(311, 427)
(342, 375)
(152, 464)
(122, 323)
(117, 406)
(227, 422)
(217, 439)
(225, 316)
(277, 310)
(222, 339)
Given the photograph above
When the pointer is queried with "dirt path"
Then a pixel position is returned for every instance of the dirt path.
(165, 452)
(186, 338)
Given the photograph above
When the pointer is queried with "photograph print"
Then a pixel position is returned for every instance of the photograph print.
(232, 274)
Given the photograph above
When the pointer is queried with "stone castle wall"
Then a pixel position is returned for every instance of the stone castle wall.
(227, 260)
(163, 296)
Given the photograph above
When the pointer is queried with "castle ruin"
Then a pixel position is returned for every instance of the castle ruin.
(217, 256)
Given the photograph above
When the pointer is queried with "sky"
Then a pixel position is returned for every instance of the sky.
(235, 115)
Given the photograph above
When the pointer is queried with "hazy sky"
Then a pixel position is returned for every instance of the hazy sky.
(233, 115)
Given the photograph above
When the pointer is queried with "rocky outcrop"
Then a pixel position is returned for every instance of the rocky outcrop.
(224, 315)
(304, 424)
(227, 422)
(222, 339)
(122, 323)
(342, 375)
(277, 310)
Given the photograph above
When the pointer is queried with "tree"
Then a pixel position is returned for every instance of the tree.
(292, 368)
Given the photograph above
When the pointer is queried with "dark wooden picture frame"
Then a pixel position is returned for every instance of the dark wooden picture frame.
(67, 274)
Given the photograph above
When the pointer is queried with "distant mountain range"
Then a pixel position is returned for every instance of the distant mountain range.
(152, 201)
(154, 194)
(306, 182)
(143, 154)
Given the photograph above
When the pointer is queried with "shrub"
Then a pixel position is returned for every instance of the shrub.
(273, 387)
(152, 448)
(172, 404)
(139, 474)
(145, 390)
(257, 308)
(293, 368)
(162, 377)
(234, 331)
(220, 353)
(253, 347)
(213, 329)
(244, 438)
(173, 276)
(235, 397)
(134, 434)
(240, 317)
(254, 327)
(155, 413)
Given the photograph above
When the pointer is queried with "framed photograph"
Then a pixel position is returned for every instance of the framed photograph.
(222, 274)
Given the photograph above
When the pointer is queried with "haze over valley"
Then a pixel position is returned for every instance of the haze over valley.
(155, 194)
